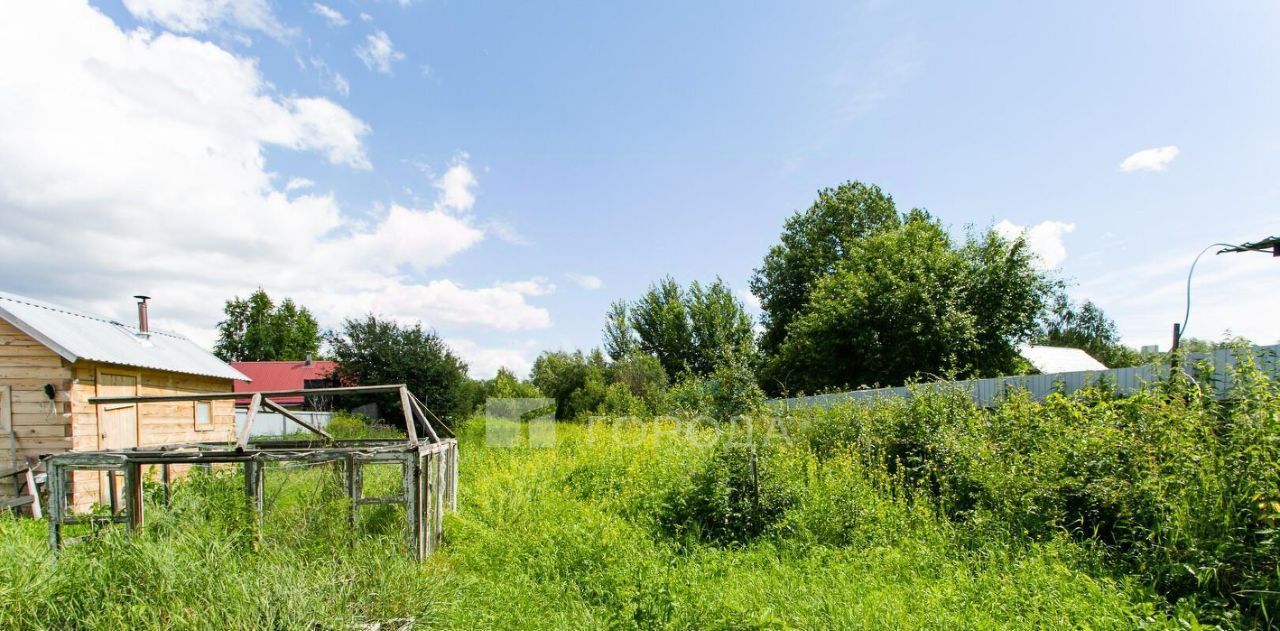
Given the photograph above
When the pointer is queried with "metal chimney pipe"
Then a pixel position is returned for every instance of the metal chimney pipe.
(143, 325)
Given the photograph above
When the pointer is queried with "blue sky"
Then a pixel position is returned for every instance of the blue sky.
(548, 158)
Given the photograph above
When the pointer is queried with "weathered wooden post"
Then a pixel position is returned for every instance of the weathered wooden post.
(412, 486)
(168, 491)
(57, 501)
(354, 488)
(254, 478)
(133, 499)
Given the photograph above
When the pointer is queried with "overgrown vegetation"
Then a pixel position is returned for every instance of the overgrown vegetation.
(1158, 510)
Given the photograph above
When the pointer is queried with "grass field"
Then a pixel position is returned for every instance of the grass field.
(921, 514)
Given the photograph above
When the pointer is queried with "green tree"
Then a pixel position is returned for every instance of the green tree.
(561, 376)
(371, 351)
(506, 385)
(1197, 345)
(256, 329)
(1006, 293)
(813, 243)
(619, 339)
(689, 332)
(905, 302)
(1087, 328)
(642, 375)
(661, 323)
(721, 327)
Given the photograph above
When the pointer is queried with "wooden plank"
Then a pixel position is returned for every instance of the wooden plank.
(43, 444)
(42, 431)
(34, 493)
(6, 409)
(219, 396)
(133, 499)
(16, 350)
(57, 502)
(37, 374)
(254, 482)
(38, 361)
(407, 406)
(412, 485)
(355, 488)
(254, 404)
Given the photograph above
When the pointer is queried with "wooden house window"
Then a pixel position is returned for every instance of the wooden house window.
(204, 415)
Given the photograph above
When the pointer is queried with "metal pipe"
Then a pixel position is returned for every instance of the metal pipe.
(144, 326)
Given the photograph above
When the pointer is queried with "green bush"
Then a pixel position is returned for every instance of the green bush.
(736, 492)
(1181, 488)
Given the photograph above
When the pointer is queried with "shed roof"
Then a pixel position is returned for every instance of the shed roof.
(281, 375)
(75, 336)
(1051, 359)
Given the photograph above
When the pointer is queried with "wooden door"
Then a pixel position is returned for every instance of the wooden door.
(117, 422)
(117, 427)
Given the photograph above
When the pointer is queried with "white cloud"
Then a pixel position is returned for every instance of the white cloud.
(586, 281)
(456, 186)
(378, 53)
(484, 362)
(1154, 159)
(330, 77)
(145, 155)
(506, 232)
(749, 299)
(536, 286)
(340, 84)
(298, 183)
(1044, 238)
(331, 15)
(196, 16)
(365, 17)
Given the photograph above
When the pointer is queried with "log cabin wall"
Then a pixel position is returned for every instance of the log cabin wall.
(31, 424)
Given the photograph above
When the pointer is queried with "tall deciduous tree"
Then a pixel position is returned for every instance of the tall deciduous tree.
(720, 326)
(689, 332)
(661, 323)
(907, 301)
(619, 339)
(1087, 328)
(371, 351)
(256, 329)
(813, 243)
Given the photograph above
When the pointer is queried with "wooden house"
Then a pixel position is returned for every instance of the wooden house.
(54, 359)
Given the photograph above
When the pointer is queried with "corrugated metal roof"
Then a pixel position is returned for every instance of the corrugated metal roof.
(281, 375)
(75, 335)
(1051, 359)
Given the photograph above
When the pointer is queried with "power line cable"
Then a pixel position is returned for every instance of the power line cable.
(1187, 316)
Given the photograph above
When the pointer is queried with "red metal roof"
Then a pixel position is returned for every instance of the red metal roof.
(280, 376)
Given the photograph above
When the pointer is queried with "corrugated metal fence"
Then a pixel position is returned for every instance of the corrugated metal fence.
(273, 424)
(987, 392)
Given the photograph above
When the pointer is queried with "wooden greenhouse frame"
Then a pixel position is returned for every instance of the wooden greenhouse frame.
(429, 464)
